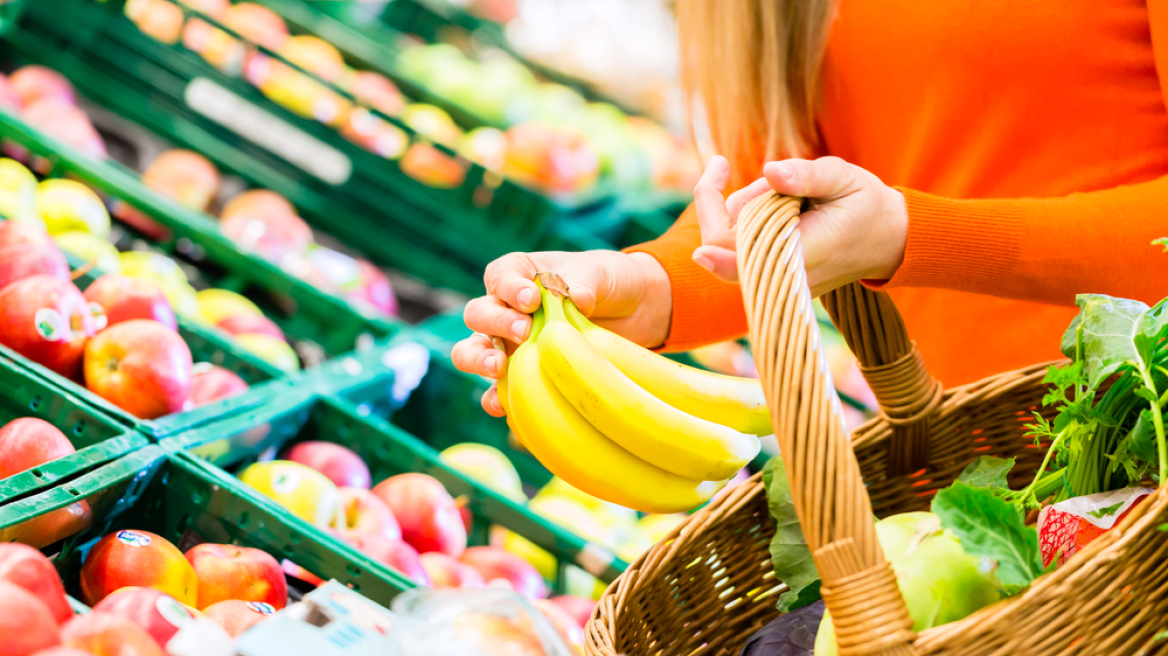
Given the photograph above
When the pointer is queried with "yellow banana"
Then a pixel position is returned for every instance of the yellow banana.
(730, 401)
(570, 447)
(623, 411)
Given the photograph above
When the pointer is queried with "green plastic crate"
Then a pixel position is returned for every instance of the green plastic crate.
(443, 237)
(98, 439)
(303, 312)
(388, 451)
(187, 502)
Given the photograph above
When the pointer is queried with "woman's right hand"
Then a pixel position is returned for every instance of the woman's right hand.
(627, 293)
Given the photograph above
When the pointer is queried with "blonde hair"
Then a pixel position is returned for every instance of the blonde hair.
(752, 66)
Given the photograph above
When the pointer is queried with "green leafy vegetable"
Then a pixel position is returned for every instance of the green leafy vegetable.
(790, 555)
(1107, 511)
(1163, 241)
(991, 527)
(987, 471)
(1111, 332)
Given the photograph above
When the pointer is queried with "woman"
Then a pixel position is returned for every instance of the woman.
(988, 163)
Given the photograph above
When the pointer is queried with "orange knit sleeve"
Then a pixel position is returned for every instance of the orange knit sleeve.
(705, 309)
(1044, 250)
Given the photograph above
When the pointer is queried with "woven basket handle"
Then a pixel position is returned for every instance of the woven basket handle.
(858, 584)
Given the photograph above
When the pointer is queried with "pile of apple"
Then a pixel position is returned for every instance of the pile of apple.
(143, 591)
(46, 100)
(408, 522)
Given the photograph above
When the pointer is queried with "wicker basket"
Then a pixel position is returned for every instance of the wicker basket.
(709, 585)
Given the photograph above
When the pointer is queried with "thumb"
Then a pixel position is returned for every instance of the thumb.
(824, 179)
(722, 262)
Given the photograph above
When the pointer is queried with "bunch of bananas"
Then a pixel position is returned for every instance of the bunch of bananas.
(623, 423)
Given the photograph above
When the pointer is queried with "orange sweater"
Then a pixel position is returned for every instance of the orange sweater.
(1030, 139)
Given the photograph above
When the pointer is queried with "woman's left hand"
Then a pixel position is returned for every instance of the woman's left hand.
(854, 228)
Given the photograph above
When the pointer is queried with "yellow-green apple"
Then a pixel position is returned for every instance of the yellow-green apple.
(26, 623)
(141, 366)
(46, 320)
(394, 553)
(210, 382)
(67, 205)
(272, 237)
(33, 82)
(18, 193)
(496, 564)
(488, 466)
(229, 572)
(487, 146)
(275, 351)
(158, 613)
(242, 324)
(104, 634)
(28, 568)
(138, 558)
(124, 298)
(28, 442)
(337, 462)
(448, 572)
(426, 512)
(578, 608)
(374, 289)
(167, 274)
(27, 250)
(302, 490)
(90, 248)
(433, 123)
(218, 304)
(364, 513)
(237, 616)
(66, 123)
(257, 24)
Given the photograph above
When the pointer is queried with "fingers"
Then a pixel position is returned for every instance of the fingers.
(825, 179)
(721, 262)
(737, 200)
(490, 316)
(491, 403)
(511, 279)
(717, 229)
(476, 355)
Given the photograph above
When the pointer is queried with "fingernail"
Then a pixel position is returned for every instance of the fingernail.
(704, 262)
(786, 172)
(519, 328)
(491, 363)
(523, 298)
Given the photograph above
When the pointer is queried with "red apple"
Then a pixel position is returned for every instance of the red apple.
(339, 464)
(315, 55)
(160, 614)
(185, 176)
(63, 651)
(46, 320)
(297, 572)
(137, 558)
(580, 608)
(257, 23)
(66, 123)
(31, 83)
(28, 442)
(27, 250)
(242, 324)
(426, 512)
(15, 233)
(140, 366)
(377, 91)
(237, 616)
(26, 623)
(229, 572)
(8, 98)
(270, 237)
(448, 572)
(495, 564)
(28, 568)
(569, 629)
(375, 290)
(210, 383)
(394, 553)
(257, 203)
(364, 513)
(124, 298)
(103, 634)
